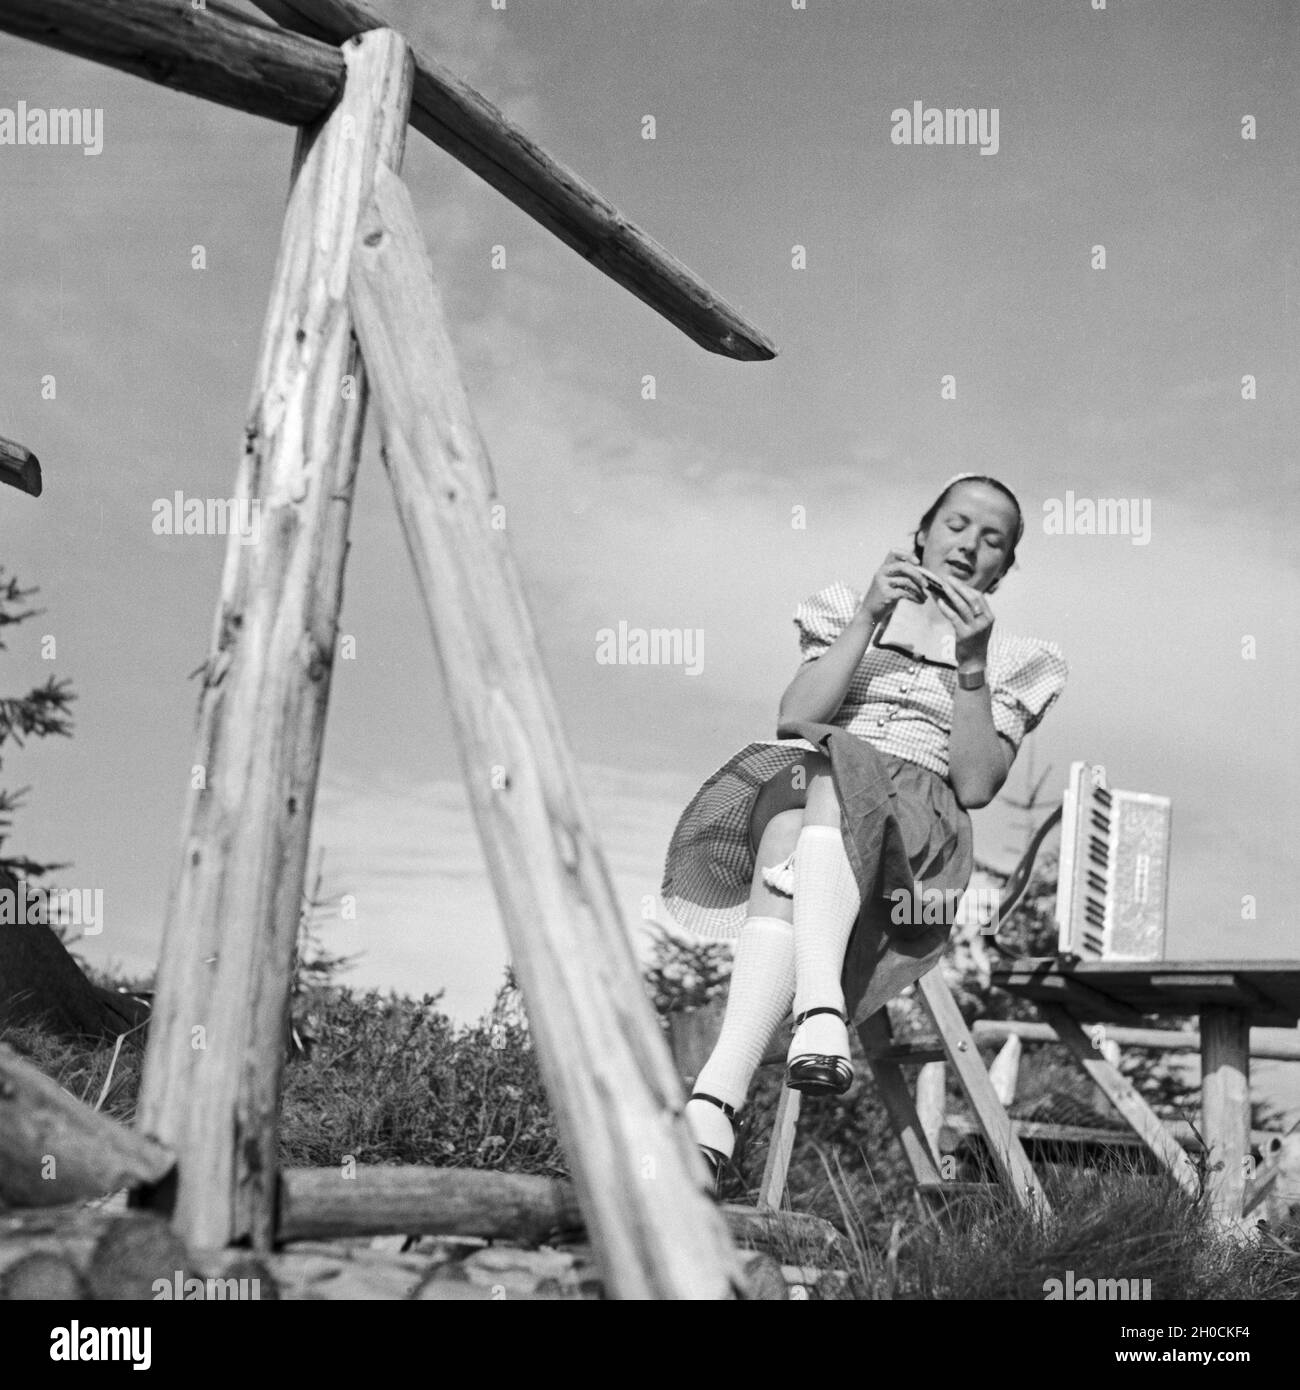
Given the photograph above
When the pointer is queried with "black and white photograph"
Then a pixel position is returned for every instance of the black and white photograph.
(647, 653)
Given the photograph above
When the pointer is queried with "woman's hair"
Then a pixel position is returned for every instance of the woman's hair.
(928, 519)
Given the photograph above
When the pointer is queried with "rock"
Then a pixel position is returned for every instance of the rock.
(764, 1277)
(42, 1275)
(544, 1271)
(132, 1254)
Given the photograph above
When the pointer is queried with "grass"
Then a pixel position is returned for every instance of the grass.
(387, 1079)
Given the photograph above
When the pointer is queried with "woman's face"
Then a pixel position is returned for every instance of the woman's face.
(971, 535)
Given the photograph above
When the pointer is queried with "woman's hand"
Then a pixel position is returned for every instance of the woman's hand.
(972, 620)
(899, 576)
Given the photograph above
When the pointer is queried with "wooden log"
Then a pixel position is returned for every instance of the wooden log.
(287, 74)
(322, 1204)
(618, 1101)
(1123, 1095)
(54, 1149)
(210, 51)
(1266, 1044)
(452, 114)
(20, 468)
(212, 1071)
(1225, 1106)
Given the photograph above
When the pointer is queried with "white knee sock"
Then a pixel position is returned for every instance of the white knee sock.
(758, 1001)
(826, 905)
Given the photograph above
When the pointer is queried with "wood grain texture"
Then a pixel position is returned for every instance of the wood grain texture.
(214, 52)
(322, 1204)
(1225, 1105)
(618, 1101)
(54, 1149)
(465, 124)
(212, 1070)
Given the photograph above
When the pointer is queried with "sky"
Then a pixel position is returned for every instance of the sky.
(1118, 128)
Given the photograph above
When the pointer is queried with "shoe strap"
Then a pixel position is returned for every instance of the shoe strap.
(821, 1009)
(728, 1110)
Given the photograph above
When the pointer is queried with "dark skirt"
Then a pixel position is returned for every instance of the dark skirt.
(901, 825)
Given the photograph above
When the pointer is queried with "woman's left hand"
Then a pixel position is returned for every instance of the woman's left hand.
(971, 617)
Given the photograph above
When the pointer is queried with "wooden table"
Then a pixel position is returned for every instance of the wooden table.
(1230, 997)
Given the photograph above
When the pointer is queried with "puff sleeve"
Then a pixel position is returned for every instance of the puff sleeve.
(1026, 689)
(819, 620)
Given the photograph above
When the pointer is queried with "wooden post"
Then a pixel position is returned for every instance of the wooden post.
(1225, 1105)
(618, 1101)
(932, 1102)
(212, 1070)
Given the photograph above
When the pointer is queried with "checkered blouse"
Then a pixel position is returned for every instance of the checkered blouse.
(903, 706)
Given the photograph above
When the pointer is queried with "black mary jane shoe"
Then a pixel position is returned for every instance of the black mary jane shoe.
(718, 1161)
(819, 1073)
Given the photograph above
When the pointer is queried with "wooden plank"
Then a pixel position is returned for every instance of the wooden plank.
(465, 124)
(54, 1149)
(212, 1069)
(1276, 984)
(618, 1101)
(1078, 996)
(1225, 1106)
(892, 1088)
(1122, 1094)
(1006, 1150)
(20, 468)
(932, 1102)
(1271, 1044)
(776, 1167)
(210, 51)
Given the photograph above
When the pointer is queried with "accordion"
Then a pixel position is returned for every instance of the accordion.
(1113, 888)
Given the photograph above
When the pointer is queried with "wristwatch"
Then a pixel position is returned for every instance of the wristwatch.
(971, 680)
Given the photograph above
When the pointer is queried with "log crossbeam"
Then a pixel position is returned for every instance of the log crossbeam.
(294, 74)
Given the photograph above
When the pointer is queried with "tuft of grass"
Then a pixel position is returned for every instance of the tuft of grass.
(1103, 1226)
(393, 1080)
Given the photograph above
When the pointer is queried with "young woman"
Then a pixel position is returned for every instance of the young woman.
(906, 711)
